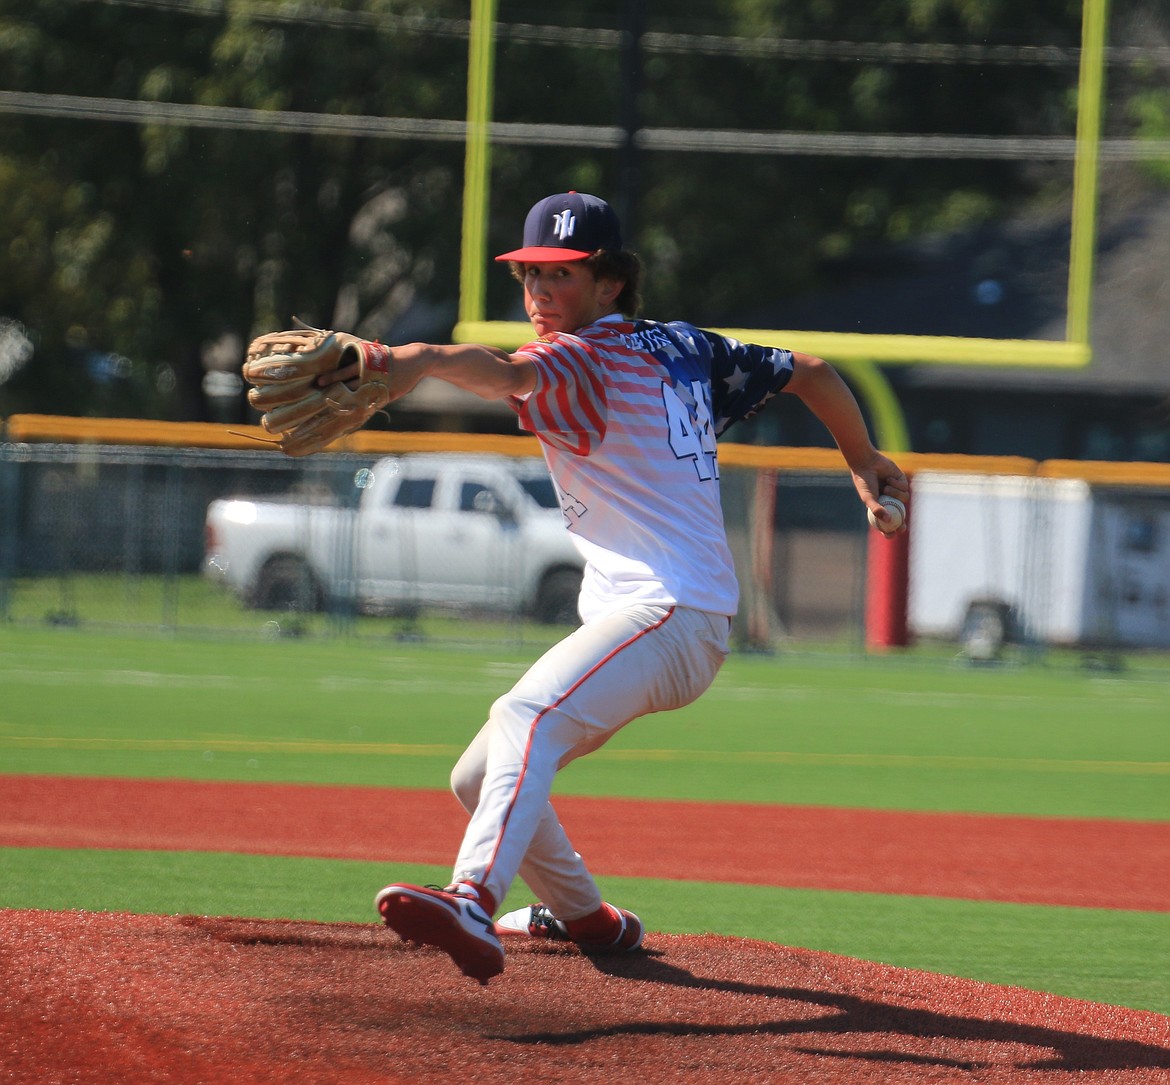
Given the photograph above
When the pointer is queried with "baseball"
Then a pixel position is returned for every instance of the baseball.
(897, 512)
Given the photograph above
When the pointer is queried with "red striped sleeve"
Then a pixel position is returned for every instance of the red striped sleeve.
(567, 408)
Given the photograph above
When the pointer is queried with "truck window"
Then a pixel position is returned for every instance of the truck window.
(476, 497)
(541, 491)
(415, 493)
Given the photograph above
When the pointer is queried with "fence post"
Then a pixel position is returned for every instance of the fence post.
(9, 529)
(887, 589)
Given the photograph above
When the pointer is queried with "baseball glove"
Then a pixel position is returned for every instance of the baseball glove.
(290, 376)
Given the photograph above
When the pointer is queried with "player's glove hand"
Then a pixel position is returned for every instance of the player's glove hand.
(314, 386)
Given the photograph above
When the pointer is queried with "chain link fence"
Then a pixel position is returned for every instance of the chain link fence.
(118, 535)
(107, 535)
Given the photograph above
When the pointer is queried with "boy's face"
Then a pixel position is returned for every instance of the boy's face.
(565, 297)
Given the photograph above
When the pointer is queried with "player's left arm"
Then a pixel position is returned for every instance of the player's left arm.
(487, 372)
(823, 391)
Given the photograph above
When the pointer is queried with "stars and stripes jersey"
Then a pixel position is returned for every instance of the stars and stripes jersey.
(627, 413)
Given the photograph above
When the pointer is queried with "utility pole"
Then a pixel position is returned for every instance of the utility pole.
(630, 115)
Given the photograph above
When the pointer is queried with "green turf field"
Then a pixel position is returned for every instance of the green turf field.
(905, 732)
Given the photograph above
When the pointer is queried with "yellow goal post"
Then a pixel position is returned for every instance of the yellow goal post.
(860, 356)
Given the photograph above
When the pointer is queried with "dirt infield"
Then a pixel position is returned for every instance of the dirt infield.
(113, 998)
(117, 998)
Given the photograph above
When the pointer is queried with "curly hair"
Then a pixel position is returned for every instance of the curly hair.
(624, 267)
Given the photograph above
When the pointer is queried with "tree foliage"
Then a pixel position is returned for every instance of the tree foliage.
(135, 248)
(139, 252)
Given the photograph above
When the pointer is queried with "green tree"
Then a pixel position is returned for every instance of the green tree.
(148, 242)
(132, 250)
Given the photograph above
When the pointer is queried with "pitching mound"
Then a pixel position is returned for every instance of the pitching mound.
(93, 997)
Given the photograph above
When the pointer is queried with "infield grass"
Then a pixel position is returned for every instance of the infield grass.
(911, 732)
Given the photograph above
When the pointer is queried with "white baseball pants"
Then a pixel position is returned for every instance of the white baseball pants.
(570, 702)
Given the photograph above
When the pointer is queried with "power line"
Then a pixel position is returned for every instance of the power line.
(893, 145)
(660, 42)
(733, 141)
(181, 114)
(305, 14)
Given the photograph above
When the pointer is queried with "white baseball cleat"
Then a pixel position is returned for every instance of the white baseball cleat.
(536, 921)
(454, 923)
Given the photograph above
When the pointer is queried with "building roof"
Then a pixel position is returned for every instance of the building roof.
(1010, 281)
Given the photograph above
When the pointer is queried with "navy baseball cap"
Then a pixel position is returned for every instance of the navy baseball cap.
(568, 226)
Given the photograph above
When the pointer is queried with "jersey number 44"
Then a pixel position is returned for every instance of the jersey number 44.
(692, 437)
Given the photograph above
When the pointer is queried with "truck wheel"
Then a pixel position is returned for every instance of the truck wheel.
(287, 584)
(987, 627)
(556, 601)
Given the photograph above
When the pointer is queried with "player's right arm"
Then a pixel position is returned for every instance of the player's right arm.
(823, 391)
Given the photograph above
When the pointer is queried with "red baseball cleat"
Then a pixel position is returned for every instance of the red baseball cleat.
(445, 919)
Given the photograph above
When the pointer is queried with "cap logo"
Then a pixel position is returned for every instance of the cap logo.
(564, 223)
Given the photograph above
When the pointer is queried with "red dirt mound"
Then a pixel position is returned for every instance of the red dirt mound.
(96, 997)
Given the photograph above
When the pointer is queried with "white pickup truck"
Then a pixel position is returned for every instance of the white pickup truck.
(440, 530)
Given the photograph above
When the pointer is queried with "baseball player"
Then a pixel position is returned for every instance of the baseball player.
(627, 412)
